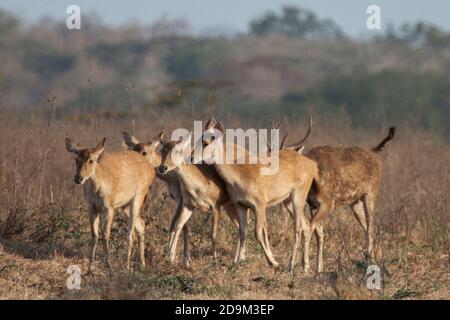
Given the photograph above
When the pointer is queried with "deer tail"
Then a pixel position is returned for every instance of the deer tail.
(385, 141)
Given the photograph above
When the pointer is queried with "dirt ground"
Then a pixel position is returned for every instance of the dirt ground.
(409, 270)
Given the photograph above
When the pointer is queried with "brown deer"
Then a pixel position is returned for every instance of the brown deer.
(201, 188)
(248, 189)
(111, 181)
(347, 176)
(149, 150)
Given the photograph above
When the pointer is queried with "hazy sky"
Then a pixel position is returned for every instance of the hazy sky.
(234, 15)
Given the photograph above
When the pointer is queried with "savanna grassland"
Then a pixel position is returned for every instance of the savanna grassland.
(45, 228)
(101, 80)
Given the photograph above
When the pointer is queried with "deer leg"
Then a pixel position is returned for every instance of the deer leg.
(266, 238)
(324, 208)
(369, 206)
(186, 254)
(260, 217)
(130, 236)
(172, 224)
(320, 239)
(299, 220)
(145, 203)
(94, 222)
(242, 244)
(182, 219)
(139, 226)
(126, 211)
(234, 217)
(289, 207)
(107, 219)
(360, 215)
(132, 223)
(175, 192)
(318, 232)
(140, 230)
(304, 225)
(243, 221)
(215, 224)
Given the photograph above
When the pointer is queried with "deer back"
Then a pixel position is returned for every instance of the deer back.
(295, 172)
(121, 175)
(346, 173)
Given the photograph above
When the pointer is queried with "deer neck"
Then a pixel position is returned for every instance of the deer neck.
(156, 159)
(229, 171)
(100, 177)
(187, 174)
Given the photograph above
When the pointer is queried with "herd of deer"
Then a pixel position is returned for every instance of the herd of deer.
(324, 178)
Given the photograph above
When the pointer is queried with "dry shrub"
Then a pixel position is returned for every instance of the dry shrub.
(43, 218)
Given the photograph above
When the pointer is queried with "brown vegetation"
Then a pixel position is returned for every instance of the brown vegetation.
(44, 225)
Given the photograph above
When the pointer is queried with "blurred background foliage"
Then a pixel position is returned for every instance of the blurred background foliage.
(288, 63)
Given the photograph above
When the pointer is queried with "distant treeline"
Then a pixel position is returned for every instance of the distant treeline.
(290, 62)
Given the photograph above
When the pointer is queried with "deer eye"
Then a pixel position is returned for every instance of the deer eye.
(213, 138)
(144, 153)
(91, 161)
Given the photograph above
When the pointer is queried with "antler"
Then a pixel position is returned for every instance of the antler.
(279, 123)
(283, 119)
(298, 145)
(283, 141)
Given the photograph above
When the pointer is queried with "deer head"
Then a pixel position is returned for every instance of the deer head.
(147, 149)
(86, 159)
(213, 130)
(173, 154)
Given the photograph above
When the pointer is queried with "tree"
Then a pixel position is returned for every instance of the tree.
(419, 34)
(8, 22)
(296, 23)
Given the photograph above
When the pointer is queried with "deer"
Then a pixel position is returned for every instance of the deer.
(347, 176)
(149, 150)
(248, 189)
(201, 189)
(112, 181)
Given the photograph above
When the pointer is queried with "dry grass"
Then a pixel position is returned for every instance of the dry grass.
(44, 226)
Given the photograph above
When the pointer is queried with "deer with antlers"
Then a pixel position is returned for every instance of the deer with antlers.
(347, 176)
(111, 181)
(249, 189)
(201, 189)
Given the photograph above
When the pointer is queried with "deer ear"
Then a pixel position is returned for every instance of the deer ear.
(129, 140)
(211, 123)
(72, 146)
(220, 127)
(185, 142)
(159, 139)
(100, 147)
